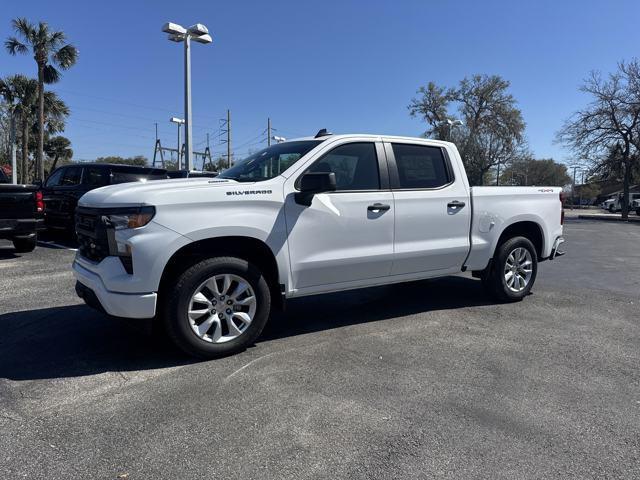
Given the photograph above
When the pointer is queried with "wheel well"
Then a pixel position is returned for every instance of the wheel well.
(529, 230)
(247, 248)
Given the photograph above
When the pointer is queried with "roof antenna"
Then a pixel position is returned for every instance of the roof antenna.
(323, 133)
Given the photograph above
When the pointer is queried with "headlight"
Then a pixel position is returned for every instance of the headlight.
(130, 217)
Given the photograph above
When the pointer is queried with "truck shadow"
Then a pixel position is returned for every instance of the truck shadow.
(75, 340)
(341, 309)
(7, 252)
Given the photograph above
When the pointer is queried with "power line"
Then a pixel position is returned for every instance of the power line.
(123, 102)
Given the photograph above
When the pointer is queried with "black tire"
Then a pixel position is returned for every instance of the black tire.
(494, 278)
(25, 245)
(638, 212)
(612, 209)
(175, 306)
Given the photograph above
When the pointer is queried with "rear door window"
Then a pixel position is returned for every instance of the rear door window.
(71, 176)
(420, 166)
(96, 177)
(125, 175)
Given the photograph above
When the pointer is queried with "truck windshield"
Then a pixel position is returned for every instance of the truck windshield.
(270, 162)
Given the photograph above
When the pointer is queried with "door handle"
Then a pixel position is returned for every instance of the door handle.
(456, 204)
(378, 207)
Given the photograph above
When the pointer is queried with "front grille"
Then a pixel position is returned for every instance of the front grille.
(93, 238)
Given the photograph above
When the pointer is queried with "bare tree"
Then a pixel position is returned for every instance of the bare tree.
(609, 123)
(492, 126)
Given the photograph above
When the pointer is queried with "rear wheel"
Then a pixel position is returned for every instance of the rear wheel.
(513, 270)
(24, 245)
(217, 307)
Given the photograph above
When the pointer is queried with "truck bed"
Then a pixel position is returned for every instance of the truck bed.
(492, 206)
(18, 215)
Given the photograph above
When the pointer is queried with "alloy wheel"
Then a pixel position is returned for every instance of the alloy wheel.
(222, 308)
(518, 269)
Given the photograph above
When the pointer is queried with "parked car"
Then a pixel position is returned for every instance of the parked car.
(191, 174)
(614, 204)
(211, 258)
(68, 183)
(21, 209)
(636, 206)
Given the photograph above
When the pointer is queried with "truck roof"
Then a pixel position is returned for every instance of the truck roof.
(372, 137)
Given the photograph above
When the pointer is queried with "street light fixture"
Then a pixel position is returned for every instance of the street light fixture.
(177, 33)
(179, 122)
(451, 122)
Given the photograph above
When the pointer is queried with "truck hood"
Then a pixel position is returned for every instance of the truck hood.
(150, 193)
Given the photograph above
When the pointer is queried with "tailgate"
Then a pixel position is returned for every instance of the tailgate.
(17, 201)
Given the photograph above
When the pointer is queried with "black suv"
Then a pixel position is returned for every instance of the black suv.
(68, 183)
(191, 174)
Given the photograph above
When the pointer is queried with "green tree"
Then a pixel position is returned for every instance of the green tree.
(49, 50)
(58, 148)
(20, 93)
(607, 130)
(138, 160)
(529, 171)
(492, 129)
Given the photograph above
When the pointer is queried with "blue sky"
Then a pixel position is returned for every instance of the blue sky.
(350, 66)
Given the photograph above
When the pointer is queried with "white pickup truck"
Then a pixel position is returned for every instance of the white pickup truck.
(210, 258)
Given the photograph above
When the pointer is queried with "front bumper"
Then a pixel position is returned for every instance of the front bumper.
(95, 294)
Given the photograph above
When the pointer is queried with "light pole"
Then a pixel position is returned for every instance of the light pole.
(453, 123)
(177, 33)
(179, 122)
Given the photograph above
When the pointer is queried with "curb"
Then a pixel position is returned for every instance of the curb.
(609, 218)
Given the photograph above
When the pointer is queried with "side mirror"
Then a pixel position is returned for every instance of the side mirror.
(312, 183)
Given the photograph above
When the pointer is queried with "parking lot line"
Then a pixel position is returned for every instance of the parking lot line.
(56, 245)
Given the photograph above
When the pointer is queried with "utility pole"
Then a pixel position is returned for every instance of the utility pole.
(225, 128)
(269, 131)
(228, 138)
(14, 163)
(573, 187)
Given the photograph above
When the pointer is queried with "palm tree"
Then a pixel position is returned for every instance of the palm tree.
(49, 49)
(20, 93)
(58, 148)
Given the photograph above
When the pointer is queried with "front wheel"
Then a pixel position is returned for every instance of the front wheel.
(513, 270)
(25, 245)
(217, 307)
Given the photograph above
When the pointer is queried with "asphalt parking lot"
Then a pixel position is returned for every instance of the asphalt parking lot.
(429, 379)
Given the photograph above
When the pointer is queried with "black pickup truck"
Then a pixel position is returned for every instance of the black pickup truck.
(21, 213)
